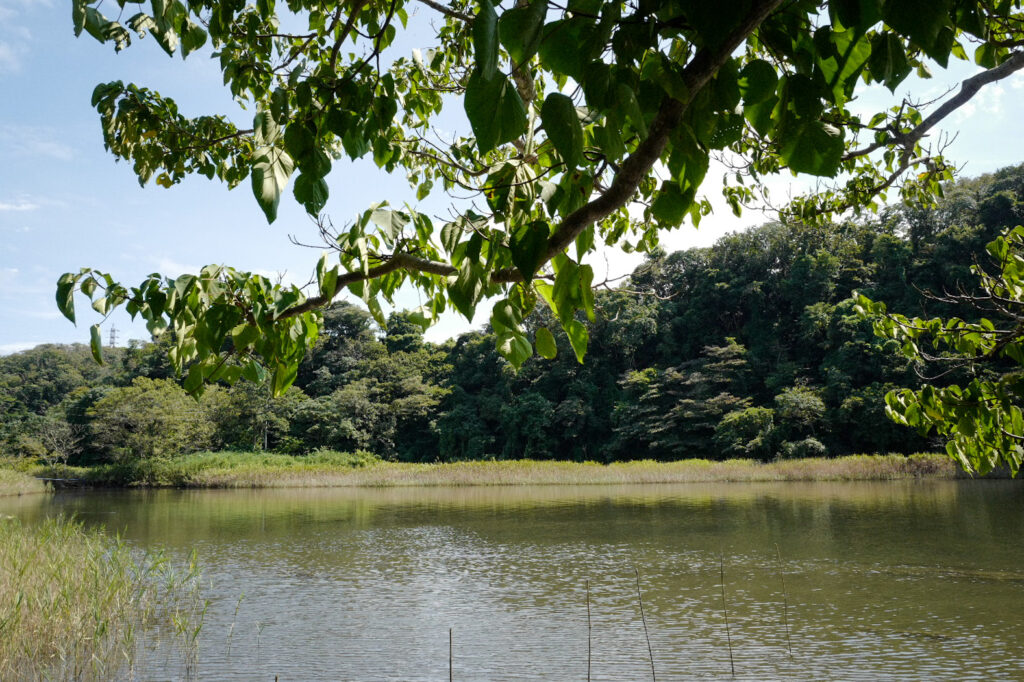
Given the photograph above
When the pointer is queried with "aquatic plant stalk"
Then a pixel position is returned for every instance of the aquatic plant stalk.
(725, 611)
(785, 600)
(643, 618)
(589, 630)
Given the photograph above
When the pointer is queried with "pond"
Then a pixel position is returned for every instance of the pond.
(899, 580)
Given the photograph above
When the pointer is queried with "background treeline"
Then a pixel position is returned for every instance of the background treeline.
(750, 348)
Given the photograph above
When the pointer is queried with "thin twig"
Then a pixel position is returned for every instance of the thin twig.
(725, 610)
(785, 600)
(643, 618)
(450, 655)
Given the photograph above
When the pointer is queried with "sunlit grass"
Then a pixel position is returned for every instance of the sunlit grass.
(328, 469)
(76, 605)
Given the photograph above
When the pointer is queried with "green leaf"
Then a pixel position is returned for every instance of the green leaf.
(284, 377)
(888, 62)
(514, 347)
(327, 278)
(311, 192)
(857, 14)
(95, 23)
(271, 169)
(466, 290)
(812, 147)
(758, 81)
(193, 383)
(561, 46)
(670, 205)
(528, 245)
(66, 295)
(579, 337)
(450, 235)
(495, 112)
(78, 9)
(254, 372)
(485, 40)
(629, 104)
(96, 344)
(558, 114)
(193, 37)
(244, 335)
(390, 222)
(920, 20)
(519, 30)
(546, 345)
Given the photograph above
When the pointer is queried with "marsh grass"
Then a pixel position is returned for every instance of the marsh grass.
(334, 469)
(13, 482)
(77, 605)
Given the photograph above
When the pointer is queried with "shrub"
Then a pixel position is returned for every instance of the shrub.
(802, 449)
(746, 433)
(149, 419)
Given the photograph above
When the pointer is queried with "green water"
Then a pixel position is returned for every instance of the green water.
(902, 580)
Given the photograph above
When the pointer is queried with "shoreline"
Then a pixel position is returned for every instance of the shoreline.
(263, 470)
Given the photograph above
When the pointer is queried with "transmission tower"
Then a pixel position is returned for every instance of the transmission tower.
(113, 335)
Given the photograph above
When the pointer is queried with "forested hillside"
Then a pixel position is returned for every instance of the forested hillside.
(750, 348)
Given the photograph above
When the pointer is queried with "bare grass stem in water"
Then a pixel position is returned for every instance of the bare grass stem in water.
(785, 599)
(589, 630)
(725, 612)
(643, 619)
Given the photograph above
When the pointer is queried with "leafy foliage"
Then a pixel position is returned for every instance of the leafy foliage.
(571, 109)
(981, 415)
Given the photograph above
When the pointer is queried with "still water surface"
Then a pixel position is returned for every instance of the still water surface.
(901, 580)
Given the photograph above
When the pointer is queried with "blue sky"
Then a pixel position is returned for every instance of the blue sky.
(65, 203)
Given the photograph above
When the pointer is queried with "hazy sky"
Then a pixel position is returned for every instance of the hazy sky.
(65, 203)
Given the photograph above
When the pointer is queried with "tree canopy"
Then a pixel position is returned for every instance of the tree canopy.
(980, 414)
(590, 122)
(751, 348)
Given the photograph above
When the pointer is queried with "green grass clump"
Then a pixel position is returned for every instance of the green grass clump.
(76, 605)
(214, 469)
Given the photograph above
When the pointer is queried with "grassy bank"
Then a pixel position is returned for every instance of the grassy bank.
(328, 469)
(76, 605)
(14, 482)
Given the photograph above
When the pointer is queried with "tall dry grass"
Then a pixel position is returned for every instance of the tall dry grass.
(18, 483)
(528, 472)
(76, 605)
(333, 469)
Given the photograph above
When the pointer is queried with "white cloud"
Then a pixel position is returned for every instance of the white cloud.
(11, 55)
(34, 141)
(172, 268)
(18, 206)
(17, 347)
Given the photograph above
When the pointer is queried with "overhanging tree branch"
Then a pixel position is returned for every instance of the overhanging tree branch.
(968, 89)
(632, 171)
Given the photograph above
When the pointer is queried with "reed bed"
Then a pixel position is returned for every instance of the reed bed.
(526, 472)
(18, 483)
(76, 605)
(332, 469)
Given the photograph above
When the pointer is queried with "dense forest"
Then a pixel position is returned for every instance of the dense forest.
(750, 348)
